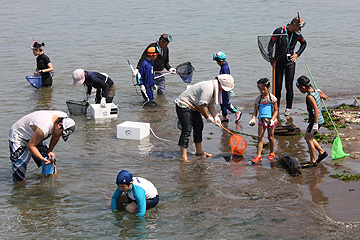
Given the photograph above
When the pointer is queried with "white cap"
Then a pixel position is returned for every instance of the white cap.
(68, 128)
(78, 77)
(226, 81)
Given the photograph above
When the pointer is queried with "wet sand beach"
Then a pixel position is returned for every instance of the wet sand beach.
(339, 199)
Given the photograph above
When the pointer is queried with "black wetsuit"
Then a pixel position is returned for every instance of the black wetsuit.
(285, 65)
(42, 62)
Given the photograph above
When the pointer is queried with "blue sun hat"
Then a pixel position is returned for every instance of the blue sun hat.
(124, 177)
(219, 56)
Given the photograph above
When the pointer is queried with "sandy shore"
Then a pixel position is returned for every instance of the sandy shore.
(339, 199)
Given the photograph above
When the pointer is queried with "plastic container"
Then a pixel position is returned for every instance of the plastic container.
(133, 130)
(265, 110)
(47, 169)
(110, 111)
(77, 107)
(34, 80)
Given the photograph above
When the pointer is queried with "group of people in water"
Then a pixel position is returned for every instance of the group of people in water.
(27, 136)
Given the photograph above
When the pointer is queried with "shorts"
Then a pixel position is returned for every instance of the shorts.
(265, 123)
(310, 126)
(20, 157)
(150, 203)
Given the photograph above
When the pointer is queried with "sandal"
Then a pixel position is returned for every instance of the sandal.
(322, 157)
(256, 159)
(271, 156)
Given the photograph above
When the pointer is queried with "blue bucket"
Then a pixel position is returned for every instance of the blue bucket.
(265, 110)
(34, 80)
(47, 169)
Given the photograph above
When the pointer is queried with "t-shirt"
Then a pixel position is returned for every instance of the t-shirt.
(21, 131)
(199, 94)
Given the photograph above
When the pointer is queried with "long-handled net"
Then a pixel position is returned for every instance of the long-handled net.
(272, 47)
(337, 151)
(238, 144)
(184, 70)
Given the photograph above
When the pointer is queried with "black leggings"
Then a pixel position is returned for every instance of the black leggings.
(289, 68)
(189, 119)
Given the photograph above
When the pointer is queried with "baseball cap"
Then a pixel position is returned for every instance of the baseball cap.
(68, 128)
(124, 177)
(219, 56)
(152, 51)
(226, 81)
(78, 77)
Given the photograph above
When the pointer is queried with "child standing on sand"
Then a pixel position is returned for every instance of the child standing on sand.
(266, 106)
(315, 118)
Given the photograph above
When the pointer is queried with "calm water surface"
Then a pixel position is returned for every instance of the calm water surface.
(208, 198)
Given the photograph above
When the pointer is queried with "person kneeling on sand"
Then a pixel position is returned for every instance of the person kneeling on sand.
(192, 103)
(138, 193)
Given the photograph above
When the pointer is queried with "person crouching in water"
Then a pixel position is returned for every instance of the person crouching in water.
(192, 103)
(315, 118)
(145, 77)
(266, 106)
(138, 193)
(105, 87)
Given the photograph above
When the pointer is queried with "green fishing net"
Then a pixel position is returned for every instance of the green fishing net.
(337, 151)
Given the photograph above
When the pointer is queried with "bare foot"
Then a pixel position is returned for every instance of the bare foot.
(205, 154)
(184, 159)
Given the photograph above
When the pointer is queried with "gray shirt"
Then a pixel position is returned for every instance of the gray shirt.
(199, 94)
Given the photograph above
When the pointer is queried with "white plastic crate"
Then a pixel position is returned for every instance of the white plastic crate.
(133, 130)
(110, 111)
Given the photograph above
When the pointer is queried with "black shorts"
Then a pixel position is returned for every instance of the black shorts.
(310, 126)
(150, 203)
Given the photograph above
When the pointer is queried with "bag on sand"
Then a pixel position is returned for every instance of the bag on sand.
(291, 164)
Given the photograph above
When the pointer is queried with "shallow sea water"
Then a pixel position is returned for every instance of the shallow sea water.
(207, 198)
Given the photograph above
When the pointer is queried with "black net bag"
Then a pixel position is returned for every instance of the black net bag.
(273, 47)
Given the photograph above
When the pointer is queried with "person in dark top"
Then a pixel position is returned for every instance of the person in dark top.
(286, 63)
(44, 66)
(161, 62)
(105, 87)
(146, 80)
(315, 121)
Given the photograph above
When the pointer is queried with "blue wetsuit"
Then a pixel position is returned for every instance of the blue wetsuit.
(142, 191)
(102, 83)
(285, 65)
(147, 78)
(225, 95)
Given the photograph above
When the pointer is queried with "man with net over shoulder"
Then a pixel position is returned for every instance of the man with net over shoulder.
(286, 63)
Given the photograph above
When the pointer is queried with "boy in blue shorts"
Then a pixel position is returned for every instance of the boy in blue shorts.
(315, 119)
(138, 193)
(220, 59)
(146, 77)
